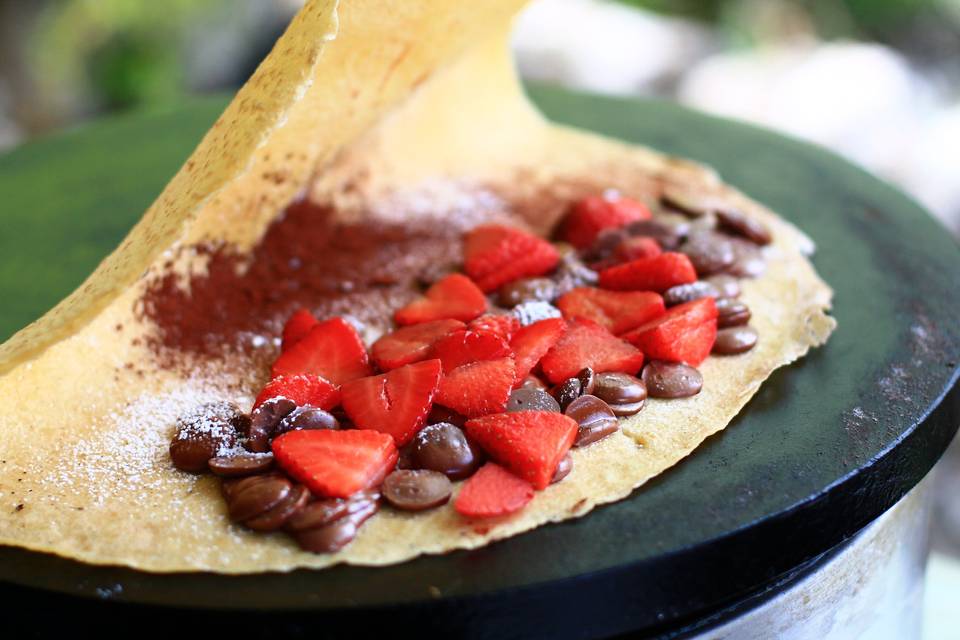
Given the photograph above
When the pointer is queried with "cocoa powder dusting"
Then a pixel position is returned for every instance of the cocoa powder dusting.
(307, 258)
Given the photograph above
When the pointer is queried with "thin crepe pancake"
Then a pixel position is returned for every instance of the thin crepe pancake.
(399, 111)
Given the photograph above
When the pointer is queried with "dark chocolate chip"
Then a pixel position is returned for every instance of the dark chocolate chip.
(337, 534)
(277, 516)
(443, 447)
(595, 417)
(567, 392)
(669, 236)
(241, 464)
(624, 393)
(671, 379)
(416, 490)
(564, 467)
(206, 432)
(527, 290)
(732, 313)
(264, 421)
(306, 417)
(588, 380)
(689, 292)
(439, 414)
(734, 340)
(531, 400)
(735, 222)
(258, 494)
(748, 260)
(727, 286)
(709, 252)
(323, 512)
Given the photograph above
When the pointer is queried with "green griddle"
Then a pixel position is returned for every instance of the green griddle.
(826, 446)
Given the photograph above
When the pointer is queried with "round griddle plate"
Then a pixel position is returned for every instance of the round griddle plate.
(825, 447)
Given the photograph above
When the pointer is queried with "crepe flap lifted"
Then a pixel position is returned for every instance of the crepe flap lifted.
(394, 109)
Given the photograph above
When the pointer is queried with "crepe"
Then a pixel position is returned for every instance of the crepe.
(389, 109)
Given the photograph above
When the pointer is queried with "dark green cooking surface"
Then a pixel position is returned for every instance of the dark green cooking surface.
(827, 445)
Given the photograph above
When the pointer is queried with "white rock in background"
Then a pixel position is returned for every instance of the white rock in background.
(602, 46)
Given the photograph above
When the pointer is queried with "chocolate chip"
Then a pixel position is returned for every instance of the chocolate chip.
(732, 313)
(689, 292)
(241, 464)
(588, 380)
(531, 400)
(564, 467)
(572, 273)
(567, 392)
(416, 490)
(595, 417)
(306, 418)
(606, 242)
(322, 512)
(735, 340)
(533, 382)
(256, 495)
(709, 252)
(264, 421)
(727, 286)
(439, 414)
(748, 260)
(275, 517)
(687, 201)
(735, 222)
(531, 312)
(337, 534)
(669, 236)
(526, 290)
(624, 393)
(444, 447)
(671, 379)
(206, 432)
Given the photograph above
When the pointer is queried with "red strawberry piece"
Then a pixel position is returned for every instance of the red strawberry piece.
(685, 333)
(495, 255)
(396, 403)
(650, 274)
(532, 342)
(504, 325)
(477, 388)
(332, 349)
(303, 389)
(591, 215)
(637, 248)
(528, 443)
(410, 344)
(463, 347)
(336, 463)
(492, 491)
(617, 311)
(453, 297)
(587, 344)
(298, 326)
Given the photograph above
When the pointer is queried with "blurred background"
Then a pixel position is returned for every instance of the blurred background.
(875, 80)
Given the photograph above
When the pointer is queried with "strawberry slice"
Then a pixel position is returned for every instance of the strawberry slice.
(531, 343)
(453, 297)
(637, 248)
(303, 389)
(492, 491)
(528, 443)
(298, 326)
(685, 333)
(616, 311)
(410, 344)
(477, 388)
(463, 347)
(332, 349)
(396, 403)
(504, 325)
(495, 255)
(336, 463)
(591, 215)
(650, 274)
(587, 344)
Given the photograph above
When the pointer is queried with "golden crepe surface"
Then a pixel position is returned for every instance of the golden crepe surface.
(394, 113)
